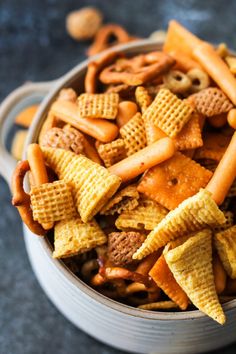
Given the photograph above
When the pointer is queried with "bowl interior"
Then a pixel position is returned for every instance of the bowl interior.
(75, 79)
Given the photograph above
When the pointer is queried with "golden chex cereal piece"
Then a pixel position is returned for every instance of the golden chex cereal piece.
(93, 185)
(174, 180)
(73, 236)
(211, 101)
(52, 202)
(193, 214)
(143, 98)
(214, 146)
(229, 221)
(113, 152)
(225, 242)
(168, 112)
(134, 135)
(191, 265)
(231, 61)
(145, 216)
(161, 305)
(124, 200)
(190, 137)
(98, 105)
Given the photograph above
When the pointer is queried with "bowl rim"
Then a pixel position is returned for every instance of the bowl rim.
(133, 47)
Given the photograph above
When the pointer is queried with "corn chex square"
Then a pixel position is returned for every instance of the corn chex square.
(98, 105)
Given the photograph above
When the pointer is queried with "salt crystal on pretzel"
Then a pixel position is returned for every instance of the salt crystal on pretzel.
(143, 98)
(193, 214)
(112, 152)
(168, 112)
(174, 180)
(211, 101)
(93, 185)
(191, 265)
(72, 237)
(165, 280)
(122, 245)
(52, 202)
(214, 146)
(100, 105)
(124, 200)
(134, 134)
(225, 242)
(145, 216)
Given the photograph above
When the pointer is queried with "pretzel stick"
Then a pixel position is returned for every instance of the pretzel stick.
(224, 174)
(140, 161)
(101, 130)
(21, 200)
(38, 170)
(217, 69)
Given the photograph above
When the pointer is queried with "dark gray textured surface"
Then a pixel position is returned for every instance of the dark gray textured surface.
(35, 46)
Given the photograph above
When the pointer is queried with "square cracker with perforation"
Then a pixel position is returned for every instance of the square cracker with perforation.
(174, 180)
(98, 105)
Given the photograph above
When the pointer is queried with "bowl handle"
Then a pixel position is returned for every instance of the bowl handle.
(28, 94)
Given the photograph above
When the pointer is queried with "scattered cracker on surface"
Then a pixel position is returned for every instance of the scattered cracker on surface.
(211, 101)
(18, 143)
(134, 135)
(72, 237)
(161, 305)
(52, 202)
(124, 200)
(174, 180)
(165, 280)
(168, 112)
(191, 265)
(214, 146)
(122, 245)
(190, 136)
(143, 98)
(193, 214)
(225, 242)
(93, 184)
(98, 105)
(113, 152)
(145, 216)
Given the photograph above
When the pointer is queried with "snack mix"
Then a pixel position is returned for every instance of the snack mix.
(133, 180)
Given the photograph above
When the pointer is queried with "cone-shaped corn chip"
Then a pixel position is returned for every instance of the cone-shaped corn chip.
(191, 265)
(225, 242)
(52, 202)
(193, 214)
(93, 184)
(165, 280)
(124, 200)
(145, 216)
(72, 237)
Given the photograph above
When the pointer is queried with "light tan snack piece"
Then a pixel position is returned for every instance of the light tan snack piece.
(93, 185)
(98, 105)
(26, 116)
(225, 242)
(193, 214)
(199, 79)
(143, 98)
(229, 221)
(83, 24)
(211, 101)
(174, 180)
(124, 200)
(222, 50)
(231, 61)
(176, 81)
(165, 280)
(168, 113)
(161, 305)
(113, 152)
(67, 94)
(18, 143)
(191, 265)
(72, 237)
(52, 202)
(231, 118)
(126, 110)
(145, 216)
(133, 134)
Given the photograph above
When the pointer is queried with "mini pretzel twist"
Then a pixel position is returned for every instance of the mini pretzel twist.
(21, 200)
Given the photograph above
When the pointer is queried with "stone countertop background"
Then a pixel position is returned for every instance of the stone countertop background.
(34, 46)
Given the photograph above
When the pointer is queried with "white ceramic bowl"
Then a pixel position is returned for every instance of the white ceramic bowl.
(113, 323)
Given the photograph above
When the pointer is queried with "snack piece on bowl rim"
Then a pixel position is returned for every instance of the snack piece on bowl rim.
(193, 214)
(191, 265)
(93, 185)
(73, 236)
(98, 105)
